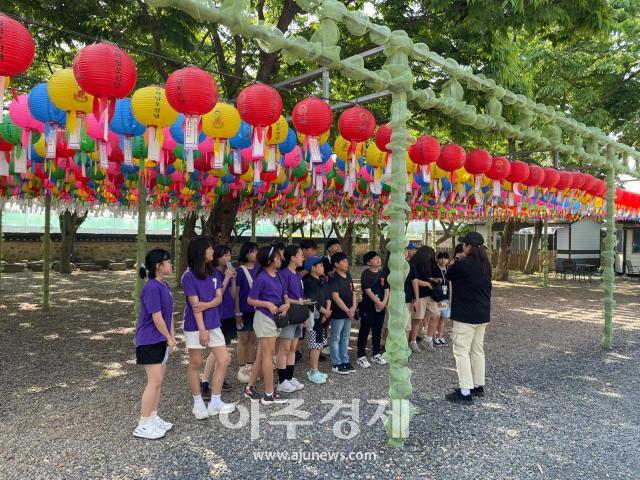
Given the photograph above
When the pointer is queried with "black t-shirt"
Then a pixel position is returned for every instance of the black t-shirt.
(377, 282)
(471, 299)
(344, 287)
(425, 276)
(316, 289)
(408, 285)
(328, 266)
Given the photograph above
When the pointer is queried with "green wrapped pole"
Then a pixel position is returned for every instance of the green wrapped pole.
(397, 349)
(608, 276)
(141, 239)
(46, 256)
(545, 252)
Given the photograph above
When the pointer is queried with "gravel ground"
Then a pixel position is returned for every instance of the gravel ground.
(558, 406)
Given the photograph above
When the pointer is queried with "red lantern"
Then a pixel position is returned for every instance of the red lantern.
(106, 72)
(551, 178)
(383, 138)
(451, 158)
(578, 180)
(519, 172)
(600, 189)
(500, 168)
(260, 106)
(191, 91)
(17, 50)
(536, 176)
(356, 124)
(565, 180)
(426, 150)
(312, 117)
(478, 161)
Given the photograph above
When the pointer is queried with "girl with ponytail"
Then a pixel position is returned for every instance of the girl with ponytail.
(155, 338)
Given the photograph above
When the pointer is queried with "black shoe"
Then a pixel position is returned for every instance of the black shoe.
(323, 357)
(478, 391)
(340, 370)
(457, 397)
(349, 367)
(226, 386)
(205, 391)
(298, 357)
(252, 394)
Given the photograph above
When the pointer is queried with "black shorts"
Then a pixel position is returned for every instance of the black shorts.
(151, 354)
(247, 322)
(229, 329)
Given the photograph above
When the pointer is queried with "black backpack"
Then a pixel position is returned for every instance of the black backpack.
(437, 292)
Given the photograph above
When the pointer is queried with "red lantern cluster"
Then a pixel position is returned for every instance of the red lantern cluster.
(383, 138)
(18, 48)
(451, 158)
(519, 172)
(259, 105)
(426, 150)
(536, 176)
(478, 161)
(500, 168)
(356, 124)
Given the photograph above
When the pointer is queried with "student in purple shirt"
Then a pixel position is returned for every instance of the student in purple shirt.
(203, 291)
(267, 296)
(155, 338)
(226, 310)
(289, 335)
(245, 276)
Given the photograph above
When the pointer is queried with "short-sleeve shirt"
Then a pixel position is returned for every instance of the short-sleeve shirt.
(205, 290)
(343, 286)
(243, 287)
(377, 282)
(328, 266)
(227, 308)
(155, 297)
(471, 299)
(291, 283)
(408, 285)
(267, 289)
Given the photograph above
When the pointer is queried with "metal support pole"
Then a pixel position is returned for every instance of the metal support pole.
(608, 276)
(545, 252)
(326, 85)
(46, 256)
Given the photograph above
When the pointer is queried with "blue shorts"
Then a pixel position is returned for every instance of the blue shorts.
(291, 331)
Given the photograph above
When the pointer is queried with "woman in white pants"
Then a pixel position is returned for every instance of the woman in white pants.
(470, 280)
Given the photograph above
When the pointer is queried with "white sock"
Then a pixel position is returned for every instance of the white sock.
(429, 339)
(144, 421)
(216, 401)
(154, 414)
(197, 401)
(465, 391)
(477, 386)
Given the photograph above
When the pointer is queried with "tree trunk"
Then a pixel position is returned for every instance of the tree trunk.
(188, 233)
(69, 224)
(502, 271)
(532, 259)
(221, 220)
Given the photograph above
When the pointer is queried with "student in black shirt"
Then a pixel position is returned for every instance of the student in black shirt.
(333, 246)
(375, 295)
(470, 279)
(343, 299)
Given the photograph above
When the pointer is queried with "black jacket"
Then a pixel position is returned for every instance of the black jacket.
(471, 292)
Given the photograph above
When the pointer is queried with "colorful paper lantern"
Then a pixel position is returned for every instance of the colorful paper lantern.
(260, 106)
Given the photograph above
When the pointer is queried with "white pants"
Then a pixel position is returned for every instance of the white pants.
(468, 350)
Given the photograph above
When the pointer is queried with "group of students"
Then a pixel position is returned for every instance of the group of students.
(248, 303)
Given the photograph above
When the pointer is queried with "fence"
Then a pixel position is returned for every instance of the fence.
(517, 260)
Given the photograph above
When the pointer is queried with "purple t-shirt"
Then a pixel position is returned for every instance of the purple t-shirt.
(243, 288)
(292, 284)
(228, 306)
(267, 289)
(205, 290)
(155, 297)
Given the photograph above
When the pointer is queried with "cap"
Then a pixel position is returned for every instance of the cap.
(472, 238)
(366, 258)
(310, 262)
(412, 246)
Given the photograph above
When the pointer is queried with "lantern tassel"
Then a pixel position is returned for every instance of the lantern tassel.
(128, 150)
(190, 167)
(191, 123)
(153, 143)
(51, 139)
(257, 146)
(4, 164)
(237, 162)
(314, 148)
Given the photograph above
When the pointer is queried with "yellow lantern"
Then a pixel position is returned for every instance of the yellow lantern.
(279, 131)
(151, 108)
(220, 124)
(374, 156)
(322, 139)
(41, 147)
(248, 175)
(341, 148)
(66, 94)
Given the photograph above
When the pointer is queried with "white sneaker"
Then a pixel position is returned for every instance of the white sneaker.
(363, 362)
(286, 387)
(243, 374)
(223, 408)
(325, 351)
(425, 345)
(200, 411)
(414, 347)
(379, 359)
(296, 383)
(166, 426)
(150, 431)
